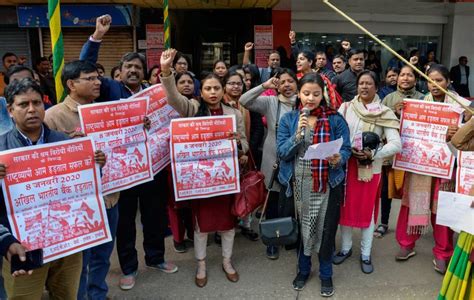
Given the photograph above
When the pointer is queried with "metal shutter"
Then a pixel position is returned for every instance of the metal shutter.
(15, 40)
(116, 43)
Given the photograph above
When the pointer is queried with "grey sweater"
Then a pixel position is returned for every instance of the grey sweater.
(267, 106)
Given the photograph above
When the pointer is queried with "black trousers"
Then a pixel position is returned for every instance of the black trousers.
(385, 200)
(151, 198)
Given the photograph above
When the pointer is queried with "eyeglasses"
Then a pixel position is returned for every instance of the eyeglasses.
(90, 78)
(234, 83)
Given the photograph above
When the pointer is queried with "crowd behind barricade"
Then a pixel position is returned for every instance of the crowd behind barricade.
(280, 111)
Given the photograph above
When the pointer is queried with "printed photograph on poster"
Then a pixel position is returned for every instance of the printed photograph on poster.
(160, 114)
(117, 129)
(53, 197)
(204, 160)
(465, 173)
(423, 131)
(154, 36)
(263, 37)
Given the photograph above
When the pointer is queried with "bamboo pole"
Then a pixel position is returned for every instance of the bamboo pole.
(450, 94)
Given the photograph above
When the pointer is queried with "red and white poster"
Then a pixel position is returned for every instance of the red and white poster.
(203, 159)
(423, 132)
(155, 36)
(53, 197)
(153, 57)
(160, 114)
(117, 129)
(261, 58)
(465, 172)
(263, 37)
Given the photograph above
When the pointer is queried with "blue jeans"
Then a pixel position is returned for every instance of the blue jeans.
(96, 264)
(304, 266)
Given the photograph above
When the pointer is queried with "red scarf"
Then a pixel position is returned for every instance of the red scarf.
(322, 134)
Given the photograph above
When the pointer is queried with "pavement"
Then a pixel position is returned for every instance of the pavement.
(261, 278)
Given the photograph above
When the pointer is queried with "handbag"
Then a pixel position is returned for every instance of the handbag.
(252, 191)
(280, 231)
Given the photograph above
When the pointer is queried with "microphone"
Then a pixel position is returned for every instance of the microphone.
(305, 111)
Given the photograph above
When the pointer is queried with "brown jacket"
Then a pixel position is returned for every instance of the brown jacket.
(64, 117)
(464, 137)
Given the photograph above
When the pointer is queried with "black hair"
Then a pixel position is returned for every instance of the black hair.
(440, 69)
(148, 77)
(321, 53)
(309, 56)
(203, 109)
(112, 72)
(131, 56)
(341, 57)
(100, 66)
(181, 55)
(235, 68)
(179, 75)
(16, 69)
(19, 87)
(281, 71)
(7, 54)
(413, 52)
(72, 70)
(409, 67)
(41, 59)
(461, 58)
(219, 61)
(273, 52)
(371, 74)
(311, 78)
(353, 52)
(254, 74)
(392, 69)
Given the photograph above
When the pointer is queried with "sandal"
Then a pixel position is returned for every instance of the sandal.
(380, 231)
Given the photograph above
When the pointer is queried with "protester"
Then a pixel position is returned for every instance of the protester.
(100, 69)
(115, 73)
(346, 82)
(420, 195)
(82, 85)
(364, 167)
(372, 63)
(339, 64)
(152, 210)
(460, 76)
(61, 276)
(220, 69)
(273, 61)
(304, 63)
(8, 59)
(321, 62)
(182, 64)
(43, 67)
(391, 76)
(152, 77)
(317, 184)
(211, 214)
(273, 108)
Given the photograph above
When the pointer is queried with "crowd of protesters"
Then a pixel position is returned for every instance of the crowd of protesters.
(345, 189)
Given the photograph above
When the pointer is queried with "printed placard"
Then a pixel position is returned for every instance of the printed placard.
(53, 197)
(423, 133)
(203, 158)
(117, 129)
(160, 114)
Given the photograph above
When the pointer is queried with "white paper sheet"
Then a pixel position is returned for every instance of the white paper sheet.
(454, 210)
(323, 150)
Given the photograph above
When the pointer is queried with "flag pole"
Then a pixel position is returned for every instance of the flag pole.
(57, 45)
(166, 23)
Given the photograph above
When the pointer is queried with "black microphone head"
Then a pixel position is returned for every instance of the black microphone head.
(305, 111)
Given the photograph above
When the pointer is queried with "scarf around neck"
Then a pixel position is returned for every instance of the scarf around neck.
(322, 134)
(288, 101)
(384, 118)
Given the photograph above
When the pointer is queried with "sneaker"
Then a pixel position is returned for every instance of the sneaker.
(127, 282)
(327, 288)
(340, 257)
(273, 252)
(405, 254)
(439, 265)
(300, 281)
(180, 247)
(166, 267)
(366, 266)
(249, 234)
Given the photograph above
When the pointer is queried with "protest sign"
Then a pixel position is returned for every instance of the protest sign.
(160, 114)
(423, 131)
(465, 172)
(53, 197)
(203, 159)
(117, 129)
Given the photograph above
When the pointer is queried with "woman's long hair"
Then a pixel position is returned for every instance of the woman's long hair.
(203, 109)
